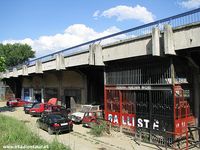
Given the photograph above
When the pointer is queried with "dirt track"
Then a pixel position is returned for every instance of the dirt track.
(79, 139)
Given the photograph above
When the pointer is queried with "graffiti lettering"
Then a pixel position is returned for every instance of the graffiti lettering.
(129, 120)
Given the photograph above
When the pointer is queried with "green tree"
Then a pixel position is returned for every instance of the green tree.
(2, 64)
(15, 54)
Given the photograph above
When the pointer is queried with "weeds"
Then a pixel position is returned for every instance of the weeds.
(14, 132)
(100, 128)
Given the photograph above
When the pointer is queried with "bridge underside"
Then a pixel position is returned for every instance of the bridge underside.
(73, 87)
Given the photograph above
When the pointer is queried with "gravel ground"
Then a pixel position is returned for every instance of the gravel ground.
(79, 139)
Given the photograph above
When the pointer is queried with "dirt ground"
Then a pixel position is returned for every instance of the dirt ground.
(79, 138)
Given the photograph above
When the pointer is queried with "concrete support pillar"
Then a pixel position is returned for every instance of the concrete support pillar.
(85, 89)
(196, 98)
(60, 62)
(15, 72)
(7, 74)
(196, 94)
(198, 105)
(169, 40)
(59, 76)
(38, 67)
(24, 70)
(156, 41)
(1, 75)
(95, 55)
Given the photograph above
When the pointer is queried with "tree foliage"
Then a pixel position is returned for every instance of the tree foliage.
(2, 64)
(15, 54)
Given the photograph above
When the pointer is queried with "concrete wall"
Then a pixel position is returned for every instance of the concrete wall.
(127, 49)
(187, 37)
(27, 82)
(60, 81)
(50, 65)
(77, 60)
(72, 79)
(51, 80)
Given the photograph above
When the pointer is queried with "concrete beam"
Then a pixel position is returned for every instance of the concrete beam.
(38, 67)
(156, 42)
(60, 62)
(1, 76)
(15, 72)
(91, 57)
(169, 47)
(24, 70)
(95, 55)
(7, 74)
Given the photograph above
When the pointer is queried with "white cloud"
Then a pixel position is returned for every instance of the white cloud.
(73, 35)
(96, 13)
(123, 12)
(190, 4)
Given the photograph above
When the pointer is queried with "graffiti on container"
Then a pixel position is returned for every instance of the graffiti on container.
(144, 123)
(128, 120)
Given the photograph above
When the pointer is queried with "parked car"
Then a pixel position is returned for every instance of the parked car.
(27, 107)
(38, 109)
(16, 102)
(57, 108)
(92, 117)
(45, 108)
(77, 117)
(54, 123)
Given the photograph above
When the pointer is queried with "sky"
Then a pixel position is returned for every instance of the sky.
(52, 25)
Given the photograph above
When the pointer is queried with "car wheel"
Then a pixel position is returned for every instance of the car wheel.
(50, 131)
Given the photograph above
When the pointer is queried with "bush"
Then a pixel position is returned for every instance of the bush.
(100, 128)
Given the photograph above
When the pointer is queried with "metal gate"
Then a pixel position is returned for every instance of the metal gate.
(148, 100)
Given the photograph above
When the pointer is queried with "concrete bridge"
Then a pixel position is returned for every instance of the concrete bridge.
(169, 41)
(176, 36)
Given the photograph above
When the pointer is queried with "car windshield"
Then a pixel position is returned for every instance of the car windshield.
(85, 108)
(94, 108)
(88, 114)
(56, 117)
(28, 105)
(13, 100)
(36, 106)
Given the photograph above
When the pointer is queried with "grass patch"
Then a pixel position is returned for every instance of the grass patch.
(14, 132)
(100, 128)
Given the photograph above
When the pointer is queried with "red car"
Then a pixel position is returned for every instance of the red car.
(45, 108)
(38, 109)
(57, 109)
(92, 117)
(16, 102)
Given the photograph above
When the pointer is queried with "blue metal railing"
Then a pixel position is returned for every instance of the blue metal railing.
(189, 17)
